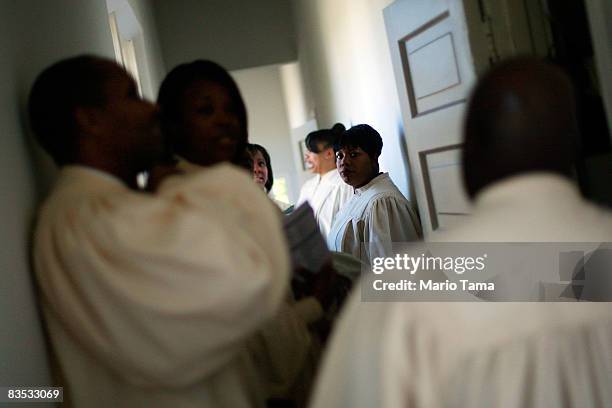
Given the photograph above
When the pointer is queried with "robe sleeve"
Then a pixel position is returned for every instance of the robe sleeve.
(280, 351)
(305, 192)
(348, 377)
(389, 220)
(164, 289)
(344, 193)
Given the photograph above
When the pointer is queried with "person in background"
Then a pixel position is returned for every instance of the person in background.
(204, 121)
(263, 174)
(326, 192)
(519, 154)
(149, 298)
(204, 118)
(521, 145)
(378, 214)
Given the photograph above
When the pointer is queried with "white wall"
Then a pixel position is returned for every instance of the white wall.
(33, 34)
(343, 51)
(136, 22)
(148, 49)
(299, 103)
(22, 349)
(300, 113)
(262, 91)
(237, 34)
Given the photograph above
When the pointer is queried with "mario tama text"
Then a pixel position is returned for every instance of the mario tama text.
(430, 285)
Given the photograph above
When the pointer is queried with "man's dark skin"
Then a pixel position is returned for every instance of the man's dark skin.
(521, 119)
(122, 136)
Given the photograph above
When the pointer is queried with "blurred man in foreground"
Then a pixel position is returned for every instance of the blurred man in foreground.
(518, 160)
(149, 298)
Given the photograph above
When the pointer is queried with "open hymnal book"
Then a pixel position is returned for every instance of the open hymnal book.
(306, 244)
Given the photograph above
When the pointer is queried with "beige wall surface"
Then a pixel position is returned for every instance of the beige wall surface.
(235, 33)
(344, 54)
(262, 91)
(153, 69)
(33, 34)
(22, 350)
(45, 32)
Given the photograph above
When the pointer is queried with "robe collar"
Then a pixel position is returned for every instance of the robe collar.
(381, 177)
(528, 188)
(90, 178)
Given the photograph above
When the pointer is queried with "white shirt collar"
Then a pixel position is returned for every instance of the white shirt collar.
(379, 178)
(80, 172)
(186, 166)
(329, 175)
(90, 178)
(527, 187)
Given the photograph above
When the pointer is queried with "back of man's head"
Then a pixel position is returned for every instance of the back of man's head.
(55, 95)
(521, 119)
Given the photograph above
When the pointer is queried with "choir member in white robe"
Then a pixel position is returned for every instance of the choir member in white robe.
(205, 122)
(283, 351)
(149, 299)
(516, 355)
(378, 214)
(326, 192)
(517, 164)
(263, 175)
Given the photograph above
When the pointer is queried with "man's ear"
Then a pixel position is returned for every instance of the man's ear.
(87, 119)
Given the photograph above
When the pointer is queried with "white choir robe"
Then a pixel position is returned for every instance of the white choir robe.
(326, 195)
(284, 352)
(534, 207)
(377, 215)
(481, 354)
(188, 167)
(459, 354)
(150, 300)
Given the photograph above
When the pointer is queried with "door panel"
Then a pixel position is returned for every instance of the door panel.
(435, 61)
(434, 73)
(431, 66)
(443, 184)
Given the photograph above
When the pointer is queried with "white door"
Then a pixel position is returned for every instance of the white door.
(435, 63)
(434, 72)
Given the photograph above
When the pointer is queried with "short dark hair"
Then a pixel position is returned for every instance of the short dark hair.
(57, 92)
(363, 136)
(252, 148)
(326, 137)
(181, 78)
(521, 118)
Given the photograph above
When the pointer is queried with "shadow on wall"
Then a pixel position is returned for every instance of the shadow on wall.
(59, 28)
(45, 171)
(401, 141)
